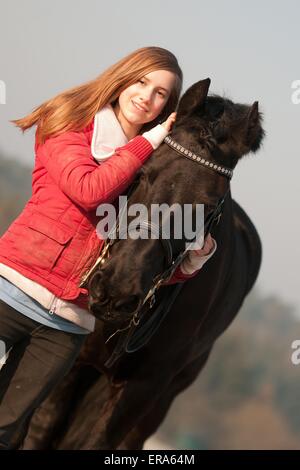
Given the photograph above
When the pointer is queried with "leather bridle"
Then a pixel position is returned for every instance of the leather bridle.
(212, 218)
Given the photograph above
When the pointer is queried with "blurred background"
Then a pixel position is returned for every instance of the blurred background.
(247, 396)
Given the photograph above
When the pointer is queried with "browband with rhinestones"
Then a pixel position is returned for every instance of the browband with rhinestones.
(223, 170)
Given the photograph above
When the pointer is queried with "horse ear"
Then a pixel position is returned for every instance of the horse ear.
(253, 116)
(193, 98)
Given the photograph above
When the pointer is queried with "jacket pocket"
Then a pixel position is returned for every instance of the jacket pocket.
(46, 241)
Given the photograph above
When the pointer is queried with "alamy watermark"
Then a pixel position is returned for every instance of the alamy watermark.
(296, 94)
(2, 353)
(161, 221)
(2, 92)
(295, 357)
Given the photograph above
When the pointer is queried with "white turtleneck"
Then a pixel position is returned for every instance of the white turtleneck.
(109, 135)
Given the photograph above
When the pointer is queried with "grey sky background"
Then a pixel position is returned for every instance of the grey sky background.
(250, 50)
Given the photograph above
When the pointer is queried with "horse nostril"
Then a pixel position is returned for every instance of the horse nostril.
(99, 299)
(95, 281)
(128, 305)
(97, 291)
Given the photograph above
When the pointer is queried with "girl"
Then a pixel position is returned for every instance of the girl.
(90, 142)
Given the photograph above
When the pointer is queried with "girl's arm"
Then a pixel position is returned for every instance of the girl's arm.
(67, 157)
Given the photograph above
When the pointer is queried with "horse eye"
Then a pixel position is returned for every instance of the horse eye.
(218, 112)
(141, 175)
(220, 132)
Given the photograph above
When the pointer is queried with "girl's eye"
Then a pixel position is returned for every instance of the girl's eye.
(159, 92)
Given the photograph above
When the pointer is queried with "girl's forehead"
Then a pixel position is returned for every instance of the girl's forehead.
(163, 78)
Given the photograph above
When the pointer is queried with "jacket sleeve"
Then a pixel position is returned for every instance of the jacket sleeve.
(190, 266)
(179, 276)
(68, 160)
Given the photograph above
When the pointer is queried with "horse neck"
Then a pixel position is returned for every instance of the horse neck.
(223, 232)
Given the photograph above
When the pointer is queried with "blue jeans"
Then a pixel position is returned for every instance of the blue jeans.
(39, 358)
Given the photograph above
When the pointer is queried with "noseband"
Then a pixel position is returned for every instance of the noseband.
(212, 218)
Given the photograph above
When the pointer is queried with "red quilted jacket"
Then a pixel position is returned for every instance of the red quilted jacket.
(53, 241)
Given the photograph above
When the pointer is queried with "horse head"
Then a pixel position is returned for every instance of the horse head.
(212, 131)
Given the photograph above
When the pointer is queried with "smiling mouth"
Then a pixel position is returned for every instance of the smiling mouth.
(138, 107)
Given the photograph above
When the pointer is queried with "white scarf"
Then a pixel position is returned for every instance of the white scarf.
(107, 135)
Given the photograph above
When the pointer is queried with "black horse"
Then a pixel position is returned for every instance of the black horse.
(97, 407)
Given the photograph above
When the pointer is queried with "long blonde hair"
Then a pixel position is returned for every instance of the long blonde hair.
(75, 108)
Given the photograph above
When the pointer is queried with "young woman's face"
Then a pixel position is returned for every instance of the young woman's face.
(143, 101)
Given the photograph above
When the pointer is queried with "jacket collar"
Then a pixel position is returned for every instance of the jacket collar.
(107, 134)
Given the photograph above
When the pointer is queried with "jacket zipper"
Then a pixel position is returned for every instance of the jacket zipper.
(53, 308)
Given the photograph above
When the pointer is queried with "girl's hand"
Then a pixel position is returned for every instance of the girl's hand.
(207, 247)
(169, 122)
